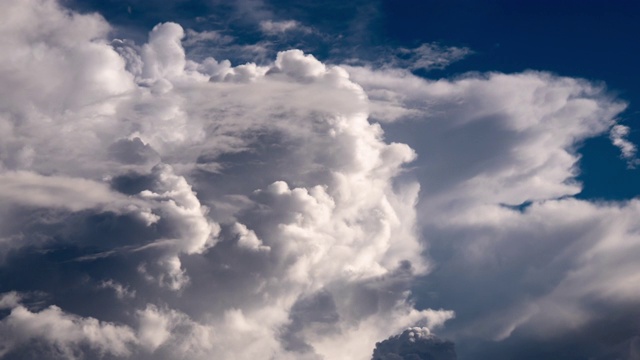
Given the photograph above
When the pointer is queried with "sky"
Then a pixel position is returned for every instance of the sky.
(339, 180)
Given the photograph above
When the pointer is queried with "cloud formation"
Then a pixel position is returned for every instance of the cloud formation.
(628, 150)
(414, 343)
(498, 208)
(430, 56)
(270, 27)
(157, 206)
(64, 332)
(197, 208)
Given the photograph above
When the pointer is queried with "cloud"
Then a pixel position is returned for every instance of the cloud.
(271, 27)
(187, 207)
(430, 56)
(498, 211)
(618, 136)
(63, 332)
(45, 48)
(190, 208)
(32, 189)
(400, 60)
(414, 343)
(499, 131)
(194, 37)
(122, 292)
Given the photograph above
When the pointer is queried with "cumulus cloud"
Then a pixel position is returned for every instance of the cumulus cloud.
(618, 136)
(191, 208)
(401, 60)
(203, 206)
(498, 209)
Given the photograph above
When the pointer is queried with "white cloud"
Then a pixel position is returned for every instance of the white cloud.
(248, 239)
(154, 328)
(59, 43)
(32, 189)
(618, 136)
(416, 343)
(271, 27)
(194, 37)
(320, 210)
(257, 209)
(122, 292)
(163, 56)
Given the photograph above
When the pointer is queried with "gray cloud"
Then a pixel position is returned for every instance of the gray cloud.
(432, 56)
(414, 344)
(172, 233)
(65, 332)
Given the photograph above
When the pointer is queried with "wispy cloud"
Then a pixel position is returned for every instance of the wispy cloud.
(628, 150)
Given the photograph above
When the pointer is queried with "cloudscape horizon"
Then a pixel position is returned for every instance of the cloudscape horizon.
(266, 179)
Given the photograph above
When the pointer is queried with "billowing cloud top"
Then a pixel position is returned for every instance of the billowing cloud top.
(245, 211)
(158, 207)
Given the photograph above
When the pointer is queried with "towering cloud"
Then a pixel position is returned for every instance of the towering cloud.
(157, 206)
(171, 208)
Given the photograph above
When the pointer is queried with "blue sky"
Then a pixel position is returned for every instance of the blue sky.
(319, 180)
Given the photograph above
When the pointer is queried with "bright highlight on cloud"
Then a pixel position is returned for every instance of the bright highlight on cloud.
(158, 207)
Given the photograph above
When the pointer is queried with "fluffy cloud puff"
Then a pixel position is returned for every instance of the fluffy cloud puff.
(195, 208)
